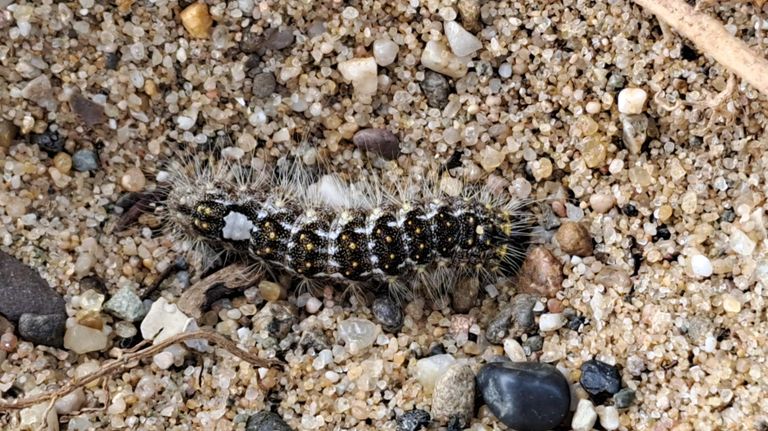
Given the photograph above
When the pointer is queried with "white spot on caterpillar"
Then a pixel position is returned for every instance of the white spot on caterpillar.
(237, 227)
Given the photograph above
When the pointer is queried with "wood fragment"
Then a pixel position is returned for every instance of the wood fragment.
(711, 38)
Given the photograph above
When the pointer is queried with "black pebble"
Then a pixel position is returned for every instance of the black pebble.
(624, 398)
(48, 141)
(662, 232)
(525, 396)
(413, 420)
(629, 210)
(266, 421)
(388, 313)
(599, 379)
(533, 344)
(575, 322)
(112, 60)
(44, 329)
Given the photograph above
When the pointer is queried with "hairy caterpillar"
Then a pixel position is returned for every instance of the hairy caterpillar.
(412, 237)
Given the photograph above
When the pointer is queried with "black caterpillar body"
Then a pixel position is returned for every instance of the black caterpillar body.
(407, 239)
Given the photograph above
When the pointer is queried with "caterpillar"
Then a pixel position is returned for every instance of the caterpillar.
(411, 237)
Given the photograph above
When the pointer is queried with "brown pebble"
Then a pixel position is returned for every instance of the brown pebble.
(559, 209)
(379, 141)
(554, 305)
(8, 342)
(574, 239)
(63, 162)
(197, 20)
(469, 11)
(8, 132)
(541, 273)
(91, 113)
(133, 180)
(465, 294)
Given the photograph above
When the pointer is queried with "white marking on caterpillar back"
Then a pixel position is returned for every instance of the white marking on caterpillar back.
(237, 227)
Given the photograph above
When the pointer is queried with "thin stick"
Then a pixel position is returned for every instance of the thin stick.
(121, 363)
(709, 35)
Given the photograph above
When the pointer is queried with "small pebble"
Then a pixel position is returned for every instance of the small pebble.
(701, 265)
(436, 56)
(469, 11)
(454, 394)
(465, 294)
(43, 329)
(385, 51)
(83, 339)
(71, 402)
(609, 417)
(632, 100)
(357, 334)
(197, 20)
(313, 305)
(413, 420)
(585, 416)
(270, 291)
(513, 320)
(599, 379)
(741, 243)
(63, 162)
(533, 344)
(91, 113)
(624, 398)
(635, 130)
(8, 132)
(379, 141)
(8, 342)
(389, 313)
(574, 239)
(436, 89)
(552, 322)
(85, 160)
(266, 421)
(601, 203)
(362, 72)
(125, 304)
(163, 360)
(277, 39)
(429, 369)
(462, 42)
(525, 396)
(264, 85)
(514, 350)
(48, 141)
(731, 304)
(133, 180)
(541, 273)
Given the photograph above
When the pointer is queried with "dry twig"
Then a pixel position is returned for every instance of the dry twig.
(709, 36)
(123, 362)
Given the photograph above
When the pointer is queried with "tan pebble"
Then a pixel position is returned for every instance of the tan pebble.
(541, 169)
(664, 213)
(689, 202)
(8, 133)
(133, 180)
(559, 209)
(602, 203)
(63, 162)
(595, 152)
(270, 291)
(541, 273)
(150, 88)
(574, 239)
(731, 304)
(554, 305)
(469, 11)
(197, 20)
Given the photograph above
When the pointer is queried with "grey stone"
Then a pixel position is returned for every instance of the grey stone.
(388, 313)
(44, 329)
(266, 421)
(436, 89)
(85, 160)
(22, 290)
(379, 141)
(454, 394)
(264, 85)
(514, 320)
(125, 304)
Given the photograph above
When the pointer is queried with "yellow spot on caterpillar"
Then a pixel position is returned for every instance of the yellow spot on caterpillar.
(355, 264)
(272, 235)
(421, 246)
(378, 231)
(267, 250)
(344, 237)
(502, 250)
(506, 228)
(352, 246)
(392, 256)
(448, 224)
(479, 230)
(418, 230)
(302, 237)
(309, 246)
(388, 238)
(308, 265)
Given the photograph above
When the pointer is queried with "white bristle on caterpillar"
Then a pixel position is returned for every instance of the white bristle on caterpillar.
(412, 237)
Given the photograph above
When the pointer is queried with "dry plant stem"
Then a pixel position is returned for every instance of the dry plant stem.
(122, 363)
(711, 38)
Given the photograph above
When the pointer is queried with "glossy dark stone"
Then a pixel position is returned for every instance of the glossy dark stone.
(413, 420)
(525, 396)
(624, 398)
(388, 313)
(599, 379)
(45, 329)
(266, 421)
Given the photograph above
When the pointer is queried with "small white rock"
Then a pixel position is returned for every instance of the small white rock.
(385, 52)
(462, 42)
(429, 369)
(362, 72)
(632, 100)
(163, 360)
(313, 305)
(164, 320)
(436, 56)
(514, 350)
(83, 339)
(701, 265)
(185, 122)
(731, 304)
(551, 321)
(71, 402)
(741, 243)
(34, 418)
(357, 334)
(585, 416)
(609, 417)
